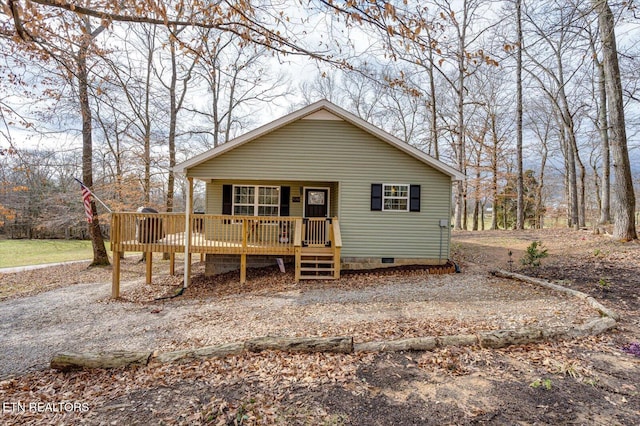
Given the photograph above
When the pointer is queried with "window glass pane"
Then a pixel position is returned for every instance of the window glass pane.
(267, 211)
(268, 195)
(315, 198)
(243, 210)
(395, 204)
(244, 195)
(396, 190)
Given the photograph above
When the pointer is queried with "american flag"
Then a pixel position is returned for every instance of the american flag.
(86, 200)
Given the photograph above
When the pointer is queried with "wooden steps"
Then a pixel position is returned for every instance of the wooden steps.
(317, 263)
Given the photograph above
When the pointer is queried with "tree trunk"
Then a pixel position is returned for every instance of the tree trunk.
(465, 206)
(603, 124)
(432, 104)
(494, 172)
(520, 171)
(147, 124)
(624, 201)
(569, 137)
(476, 215)
(539, 209)
(581, 194)
(173, 117)
(461, 209)
(100, 256)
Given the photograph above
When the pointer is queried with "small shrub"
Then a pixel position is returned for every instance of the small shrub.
(604, 285)
(541, 383)
(600, 253)
(533, 254)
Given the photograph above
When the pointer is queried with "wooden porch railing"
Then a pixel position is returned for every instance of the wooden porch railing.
(165, 233)
(316, 232)
(216, 234)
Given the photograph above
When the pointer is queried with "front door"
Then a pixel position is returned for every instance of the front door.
(316, 202)
(316, 210)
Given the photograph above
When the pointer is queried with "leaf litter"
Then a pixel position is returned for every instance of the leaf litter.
(272, 387)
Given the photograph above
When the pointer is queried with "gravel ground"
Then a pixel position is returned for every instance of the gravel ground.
(82, 318)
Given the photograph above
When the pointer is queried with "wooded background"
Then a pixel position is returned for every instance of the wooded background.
(537, 102)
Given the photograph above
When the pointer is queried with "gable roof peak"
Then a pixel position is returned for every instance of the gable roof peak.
(322, 104)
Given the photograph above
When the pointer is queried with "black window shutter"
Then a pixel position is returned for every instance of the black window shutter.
(376, 196)
(285, 196)
(227, 199)
(414, 198)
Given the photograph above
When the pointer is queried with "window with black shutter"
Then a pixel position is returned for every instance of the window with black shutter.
(285, 197)
(395, 197)
(414, 198)
(376, 196)
(227, 199)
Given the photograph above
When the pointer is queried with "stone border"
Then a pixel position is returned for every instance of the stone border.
(68, 361)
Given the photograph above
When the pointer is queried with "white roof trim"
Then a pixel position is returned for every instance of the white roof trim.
(306, 111)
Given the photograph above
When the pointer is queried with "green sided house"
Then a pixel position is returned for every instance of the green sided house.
(319, 187)
(324, 164)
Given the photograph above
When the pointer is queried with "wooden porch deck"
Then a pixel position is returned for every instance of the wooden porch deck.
(315, 242)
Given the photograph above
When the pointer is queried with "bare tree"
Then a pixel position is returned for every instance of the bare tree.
(177, 97)
(623, 192)
(602, 124)
(519, 169)
(553, 77)
(100, 256)
(238, 79)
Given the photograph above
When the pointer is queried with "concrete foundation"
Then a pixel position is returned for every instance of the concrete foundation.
(363, 263)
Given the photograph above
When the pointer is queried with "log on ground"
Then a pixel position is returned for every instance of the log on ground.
(305, 344)
(68, 361)
(187, 355)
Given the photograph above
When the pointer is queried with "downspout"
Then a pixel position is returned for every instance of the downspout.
(444, 223)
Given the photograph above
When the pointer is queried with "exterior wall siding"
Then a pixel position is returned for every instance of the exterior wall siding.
(312, 152)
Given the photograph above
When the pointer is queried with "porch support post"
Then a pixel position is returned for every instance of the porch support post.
(149, 264)
(115, 282)
(172, 263)
(187, 234)
(243, 256)
(297, 244)
(115, 242)
(243, 268)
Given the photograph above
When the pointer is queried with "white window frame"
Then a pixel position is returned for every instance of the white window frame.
(256, 198)
(384, 197)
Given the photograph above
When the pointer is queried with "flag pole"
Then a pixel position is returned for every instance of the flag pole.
(93, 195)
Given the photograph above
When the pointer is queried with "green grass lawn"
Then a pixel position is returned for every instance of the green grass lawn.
(34, 252)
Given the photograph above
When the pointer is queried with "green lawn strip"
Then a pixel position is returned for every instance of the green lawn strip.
(35, 252)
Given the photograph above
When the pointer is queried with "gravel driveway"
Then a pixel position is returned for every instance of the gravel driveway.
(82, 318)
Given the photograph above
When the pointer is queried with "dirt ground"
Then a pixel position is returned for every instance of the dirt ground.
(583, 381)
